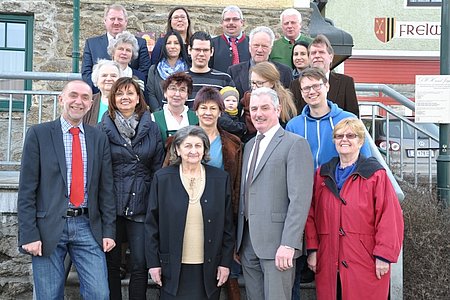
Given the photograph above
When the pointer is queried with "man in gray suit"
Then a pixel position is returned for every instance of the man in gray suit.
(277, 181)
(57, 217)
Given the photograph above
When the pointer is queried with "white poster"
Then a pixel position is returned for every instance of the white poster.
(432, 99)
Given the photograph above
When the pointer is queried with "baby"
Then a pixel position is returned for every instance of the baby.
(230, 120)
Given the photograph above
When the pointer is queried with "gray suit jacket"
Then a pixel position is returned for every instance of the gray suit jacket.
(279, 195)
(43, 198)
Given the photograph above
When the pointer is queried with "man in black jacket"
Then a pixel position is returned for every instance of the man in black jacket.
(261, 42)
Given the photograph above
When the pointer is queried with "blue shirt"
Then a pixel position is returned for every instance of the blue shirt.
(215, 152)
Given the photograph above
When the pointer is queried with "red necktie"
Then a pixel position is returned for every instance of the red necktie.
(234, 51)
(77, 185)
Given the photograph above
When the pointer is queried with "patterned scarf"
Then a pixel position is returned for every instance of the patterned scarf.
(126, 127)
(165, 70)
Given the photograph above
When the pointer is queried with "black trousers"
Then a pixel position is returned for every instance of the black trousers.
(191, 285)
(134, 232)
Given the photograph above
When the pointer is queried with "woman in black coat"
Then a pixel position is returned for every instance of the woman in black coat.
(136, 153)
(189, 224)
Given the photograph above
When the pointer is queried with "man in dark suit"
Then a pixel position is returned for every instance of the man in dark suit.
(233, 36)
(115, 19)
(276, 193)
(261, 42)
(342, 87)
(51, 221)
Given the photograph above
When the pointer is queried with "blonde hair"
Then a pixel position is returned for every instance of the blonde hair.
(268, 71)
(355, 124)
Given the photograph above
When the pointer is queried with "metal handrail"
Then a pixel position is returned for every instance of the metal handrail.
(40, 76)
(417, 128)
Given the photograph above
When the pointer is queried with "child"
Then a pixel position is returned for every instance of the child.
(230, 119)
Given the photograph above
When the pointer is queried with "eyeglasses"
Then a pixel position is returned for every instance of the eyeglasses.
(174, 89)
(349, 136)
(315, 87)
(205, 50)
(227, 20)
(179, 18)
(258, 83)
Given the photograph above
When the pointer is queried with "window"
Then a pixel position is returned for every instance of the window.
(423, 2)
(16, 53)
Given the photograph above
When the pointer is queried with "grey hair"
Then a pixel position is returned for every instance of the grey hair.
(115, 7)
(181, 135)
(232, 8)
(124, 37)
(264, 29)
(100, 64)
(291, 12)
(269, 92)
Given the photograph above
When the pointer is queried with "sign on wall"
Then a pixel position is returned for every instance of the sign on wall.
(387, 28)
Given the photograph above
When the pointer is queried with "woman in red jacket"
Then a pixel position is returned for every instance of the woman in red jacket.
(354, 229)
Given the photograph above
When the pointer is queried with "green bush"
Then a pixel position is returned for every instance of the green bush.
(426, 250)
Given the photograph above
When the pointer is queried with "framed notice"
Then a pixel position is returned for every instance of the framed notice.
(432, 99)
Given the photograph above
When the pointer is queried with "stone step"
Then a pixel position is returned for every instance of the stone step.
(72, 289)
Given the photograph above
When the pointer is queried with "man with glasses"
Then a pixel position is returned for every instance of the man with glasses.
(95, 48)
(319, 116)
(342, 87)
(231, 47)
(316, 124)
(201, 51)
(261, 42)
(291, 25)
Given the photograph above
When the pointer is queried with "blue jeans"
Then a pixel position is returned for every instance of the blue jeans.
(86, 254)
(134, 231)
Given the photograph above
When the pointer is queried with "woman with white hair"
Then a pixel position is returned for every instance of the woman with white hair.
(104, 73)
(123, 49)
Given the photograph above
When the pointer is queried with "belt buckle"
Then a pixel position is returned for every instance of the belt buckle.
(76, 212)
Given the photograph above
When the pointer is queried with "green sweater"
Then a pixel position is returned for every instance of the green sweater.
(282, 50)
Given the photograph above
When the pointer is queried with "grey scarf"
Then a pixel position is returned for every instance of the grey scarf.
(126, 127)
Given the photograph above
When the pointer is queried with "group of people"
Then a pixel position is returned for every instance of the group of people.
(212, 155)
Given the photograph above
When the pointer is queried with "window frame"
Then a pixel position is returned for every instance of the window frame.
(423, 3)
(28, 20)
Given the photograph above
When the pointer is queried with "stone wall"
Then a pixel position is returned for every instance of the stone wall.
(52, 52)
(15, 268)
(53, 25)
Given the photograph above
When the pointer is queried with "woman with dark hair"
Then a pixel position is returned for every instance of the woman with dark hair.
(225, 153)
(175, 114)
(300, 58)
(225, 148)
(179, 21)
(173, 59)
(189, 228)
(136, 153)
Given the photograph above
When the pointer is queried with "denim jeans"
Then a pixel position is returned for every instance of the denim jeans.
(87, 256)
(134, 231)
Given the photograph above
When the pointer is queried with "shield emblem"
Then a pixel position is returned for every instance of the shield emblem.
(384, 29)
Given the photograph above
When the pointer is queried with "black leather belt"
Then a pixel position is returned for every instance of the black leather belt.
(75, 212)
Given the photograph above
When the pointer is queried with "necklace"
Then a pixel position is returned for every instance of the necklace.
(194, 185)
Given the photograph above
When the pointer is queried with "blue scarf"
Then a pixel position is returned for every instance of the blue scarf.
(165, 70)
